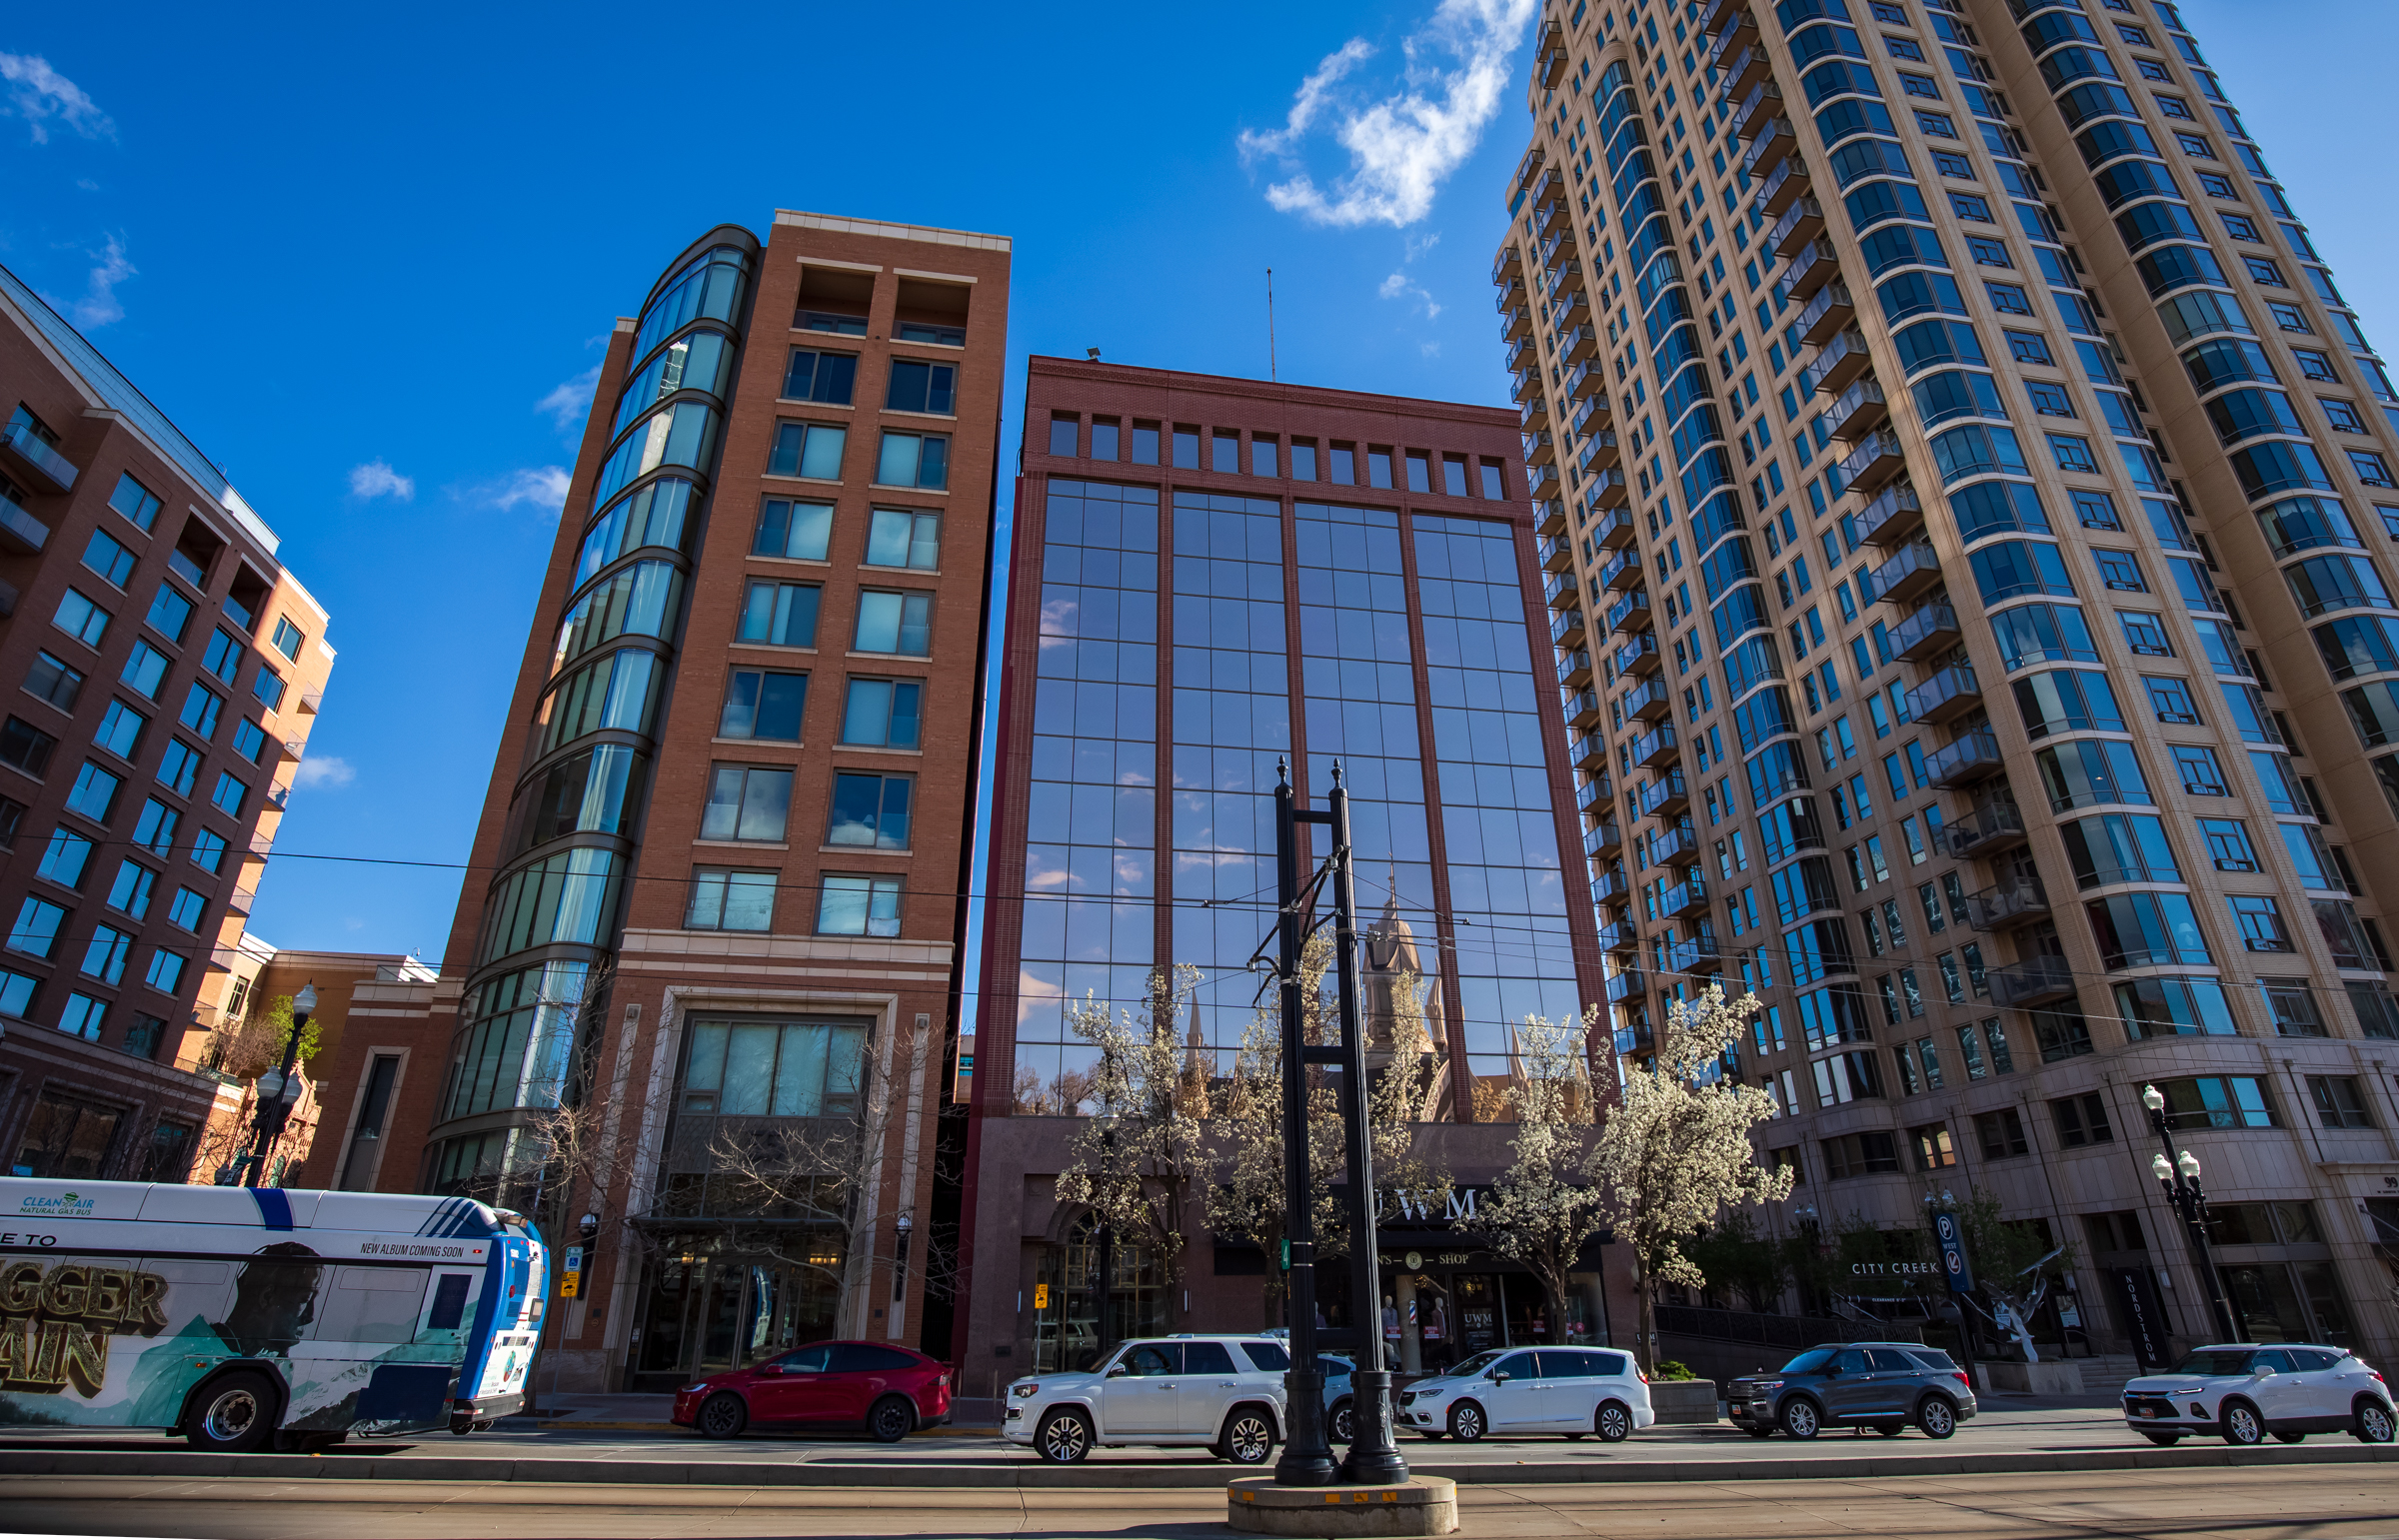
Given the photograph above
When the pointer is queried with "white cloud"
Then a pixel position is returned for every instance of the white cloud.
(38, 94)
(1404, 145)
(542, 486)
(1398, 287)
(567, 404)
(324, 769)
(376, 479)
(98, 305)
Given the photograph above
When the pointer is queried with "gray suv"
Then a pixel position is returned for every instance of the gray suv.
(1880, 1385)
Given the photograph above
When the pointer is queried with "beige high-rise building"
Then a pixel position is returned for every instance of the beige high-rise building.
(1972, 501)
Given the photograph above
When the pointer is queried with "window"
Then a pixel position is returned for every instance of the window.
(2339, 1104)
(1107, 436)
(2071, 452)
(2010, 300)
(2195, 146)
(165, 974)
(224, 656)
(1919, 85)
(918, 386)
(2265, 271)
(1933, 1151)
(2197, 765)
(1495, 486)
(1936, 125)
(730, 900)
(154, 831)
(1225, 450)
(83, 1018)
(1304, 459)
(187, 910)
(841, 326)
(762, 704)
(858, 906)
(823, 377)
(896, 623)
(2341, 414)
(2371, 468)
(1971, 206)
(2315, 365)
(179, 767)
(939, 336)
(870, 810)
(168, 614)
(2289, 317)
(78, 618)
(1953, 165)
(808, 450)
(2144, 633)
(781, 614)
(2000, 1133)
(2138, 37)
(229, 794)
(1872, 1153)
(2261, 922)
(900, 536)
(1186, 448)
(1901, 47)
(884, 713)
(52, 681)
(1454, 476)
(135, 502)
(2171, 699)
(145, 670)
(2118, 568)
(63, 860)
(1145, 443)
(746, 802)
(36, 930)
(287, 639)
(2081, 1120)
(2292, 1005)
(142, 1040)
(2242, 230)
(130, 893)
(208, 851)
(267, 686)
(788, 528)
(111, 561)
(25, 746)
(1261, 454)
(249, 739)
(1988, 253)
(104, 957)
(2218, 1101)
(2028, 348)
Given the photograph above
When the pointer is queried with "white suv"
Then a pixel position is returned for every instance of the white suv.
(1222, 1393)
(1569, 1390)
(2243, 1391)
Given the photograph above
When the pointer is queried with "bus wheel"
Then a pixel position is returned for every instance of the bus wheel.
(232, 1415)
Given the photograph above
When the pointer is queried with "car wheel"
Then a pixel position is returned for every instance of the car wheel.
(2373, 1424)
(1247, 1439)
(1613, 1422)
(1937, 1417)
(2241, 1424)
(2163, 1440)
(1800, 1418)
(722, 1415)
(1340, 1425)
(1064, 1437)
(233, 1415)
(1890, 1429)
(891, 1420)
(2291, 1438)
(1466, 1422)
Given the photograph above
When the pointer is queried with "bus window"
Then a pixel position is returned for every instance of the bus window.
(449, 1302)
(373, 1304)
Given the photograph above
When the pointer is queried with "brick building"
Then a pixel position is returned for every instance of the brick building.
(170, 669)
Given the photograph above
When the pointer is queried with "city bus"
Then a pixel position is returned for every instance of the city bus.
(248, 1318)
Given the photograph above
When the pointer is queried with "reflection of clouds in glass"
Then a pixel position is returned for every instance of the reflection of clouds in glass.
(1045, 869)
(1057, 619)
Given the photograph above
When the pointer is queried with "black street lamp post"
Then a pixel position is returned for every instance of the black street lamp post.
(278, 1090)
(1307, 1455)
(2179, 1179)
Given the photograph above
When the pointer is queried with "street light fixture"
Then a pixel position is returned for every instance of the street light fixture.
(279, 1089)
(2179, 1180)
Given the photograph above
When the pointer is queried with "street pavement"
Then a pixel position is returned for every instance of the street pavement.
(2347, 1502)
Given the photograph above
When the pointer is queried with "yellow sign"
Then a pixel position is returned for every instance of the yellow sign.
(568, 1284)
(1040, 1296)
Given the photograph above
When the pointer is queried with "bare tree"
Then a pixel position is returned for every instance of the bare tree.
(1140, 1161)
(1539, 1212)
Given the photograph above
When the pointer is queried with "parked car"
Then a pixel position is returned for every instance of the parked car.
(2244, 1391)
(1220, 1393)
(1341, 1423)
(886, 1392)
(1880, 1385)
(1577, 1391)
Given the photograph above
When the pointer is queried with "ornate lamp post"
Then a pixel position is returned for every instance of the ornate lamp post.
(279, 1089)
(2179, 1179)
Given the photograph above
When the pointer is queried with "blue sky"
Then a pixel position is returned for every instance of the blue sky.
(364, 262)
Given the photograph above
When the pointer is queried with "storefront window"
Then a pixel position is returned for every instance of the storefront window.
(1068, 1298)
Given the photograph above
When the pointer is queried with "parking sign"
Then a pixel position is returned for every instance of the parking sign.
(1951, 1235)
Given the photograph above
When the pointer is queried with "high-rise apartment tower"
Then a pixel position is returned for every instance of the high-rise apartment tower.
(1982, 498)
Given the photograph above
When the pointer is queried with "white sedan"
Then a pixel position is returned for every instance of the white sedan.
(1572, 1391)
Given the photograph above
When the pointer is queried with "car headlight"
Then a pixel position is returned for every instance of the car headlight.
(693, 1390)
(1764, 1387)
(1023, 1390)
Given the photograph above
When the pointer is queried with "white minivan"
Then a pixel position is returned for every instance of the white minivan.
(1222, 1393)
(1570, 1390)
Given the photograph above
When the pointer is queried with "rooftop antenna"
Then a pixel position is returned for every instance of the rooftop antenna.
(1270, 374)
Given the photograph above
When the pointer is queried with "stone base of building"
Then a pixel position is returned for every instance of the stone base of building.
(2036, 1379)
(1421, 1505)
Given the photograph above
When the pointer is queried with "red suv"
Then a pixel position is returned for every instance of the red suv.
(888, 1391)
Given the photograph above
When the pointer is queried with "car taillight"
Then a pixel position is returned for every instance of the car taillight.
(1959, 1375)
(1643, 1374)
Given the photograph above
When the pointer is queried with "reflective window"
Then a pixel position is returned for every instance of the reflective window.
(746, 802)
(801, 531)
(723, 899)
(861, 905)
(760, 704)
(702, 361)
(913, 460)
(871, 811)
(885, 713)
(890, 622)
(902, 537)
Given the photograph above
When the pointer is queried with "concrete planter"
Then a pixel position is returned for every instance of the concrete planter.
(1683, 1401)
(2001, 1376)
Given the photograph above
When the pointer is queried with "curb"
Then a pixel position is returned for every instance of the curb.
(1031, 1476)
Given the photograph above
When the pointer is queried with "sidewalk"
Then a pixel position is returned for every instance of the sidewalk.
(577, 1409)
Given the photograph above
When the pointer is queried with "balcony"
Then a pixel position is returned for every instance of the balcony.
(1675, 847)
(1511, 294)
(1606, 489)
(1630, 614)
(1739, 29)
(1747, 68)
(1896, 514)
(1567, 629)
(1603, 841)
(312, 701)
(1556, 553)
(1689, 898)
(1590, 416)
(1973, 757)
(1561, 590)
(1528, 385)
(1597, 794)
(1623, 935)
(1764, 100)
(1517, 324)
(1586, 380)
(1840, 361)
(52, 470)
(1947, 695)
(1559, 247)
(1654, 748)
(1599, 451)
(1589, 752)
(1809, 269)
(1718, 13)
(1774, 141)
(1579, 344)
(1635, 1037)
(20, 532)
(1696, 955)
(1639, 656)
(1541, 480)
(1627, 986)
(1905, 576)
(1521, 356)
(1574, 669)
(1544, 186)
(242, 900)
(1533, 415)
(1988, 827)
(1622, 574)
(2006, 903)
(1666, 795)
(294, 747)
(1609, 887)
(1650, 702)
(1549, 516)
(1800, 223)
(1858, 409)
(1825, 316)
(2030, 981)
(1614, 531)
(1787, 182)
(1551, 55)
(1568, 310)
(1540, 448)
(1876, 460)
(1928, 630)
(1583, 710)
(1509, 261)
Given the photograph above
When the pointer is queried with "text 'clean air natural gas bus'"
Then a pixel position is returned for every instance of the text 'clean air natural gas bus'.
(253, 1318)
